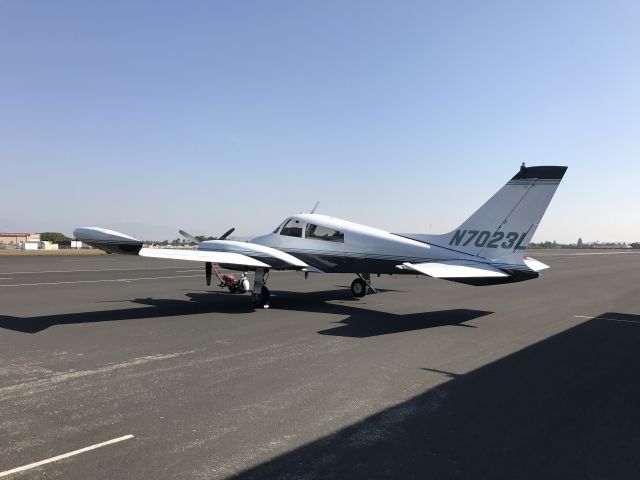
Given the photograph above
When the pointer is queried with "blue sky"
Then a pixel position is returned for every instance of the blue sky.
(152, 116)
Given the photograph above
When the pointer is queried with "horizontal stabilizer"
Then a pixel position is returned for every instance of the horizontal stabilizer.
(225, 258)
(534, 264)
(456, 269)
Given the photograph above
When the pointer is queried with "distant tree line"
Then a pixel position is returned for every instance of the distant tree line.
(54, 237)
(582, 244)
(179, 242)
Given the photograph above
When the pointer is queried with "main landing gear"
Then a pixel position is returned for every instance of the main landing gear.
(261, 294)
(361, 285)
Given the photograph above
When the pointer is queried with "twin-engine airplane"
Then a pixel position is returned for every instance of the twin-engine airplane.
(487, 249)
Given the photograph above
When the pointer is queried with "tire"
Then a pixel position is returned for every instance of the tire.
(257, 300)
(359, 288)
(266, 295)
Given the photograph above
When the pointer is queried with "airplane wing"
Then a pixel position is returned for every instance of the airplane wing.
(226, 258)
(231, 254)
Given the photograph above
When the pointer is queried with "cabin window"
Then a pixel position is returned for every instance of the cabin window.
(323, 233)
(293, 228)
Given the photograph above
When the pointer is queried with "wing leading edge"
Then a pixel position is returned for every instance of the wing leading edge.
(226, 258)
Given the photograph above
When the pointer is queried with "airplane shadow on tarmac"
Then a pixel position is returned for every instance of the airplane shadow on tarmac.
(360, 322)
(563, 408)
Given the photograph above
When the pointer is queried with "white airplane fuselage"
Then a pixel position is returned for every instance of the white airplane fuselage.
(363, 249)
(359, 249)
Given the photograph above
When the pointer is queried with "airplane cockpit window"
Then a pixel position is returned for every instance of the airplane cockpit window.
(293, 228)
(317, 232)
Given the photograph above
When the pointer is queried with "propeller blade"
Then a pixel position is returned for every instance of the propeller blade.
(207, 269)
(189, 237)
(227, 233)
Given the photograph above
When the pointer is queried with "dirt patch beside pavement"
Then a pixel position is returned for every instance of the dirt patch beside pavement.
(50, 253)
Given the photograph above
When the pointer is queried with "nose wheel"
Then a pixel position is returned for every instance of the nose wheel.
(261, 300)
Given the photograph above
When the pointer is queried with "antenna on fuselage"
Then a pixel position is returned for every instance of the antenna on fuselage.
(314, 208)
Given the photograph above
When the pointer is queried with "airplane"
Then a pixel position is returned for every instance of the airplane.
(487, 249)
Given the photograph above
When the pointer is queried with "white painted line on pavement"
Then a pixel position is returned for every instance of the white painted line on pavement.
(94, 270)
(64, 455)
(97, 281)
(609, 319)
(558, 255)
(91, 259)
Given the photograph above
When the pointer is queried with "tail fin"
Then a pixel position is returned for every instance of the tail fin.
(505, 224)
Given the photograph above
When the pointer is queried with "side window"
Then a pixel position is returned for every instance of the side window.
(322, 233)
(293, 228)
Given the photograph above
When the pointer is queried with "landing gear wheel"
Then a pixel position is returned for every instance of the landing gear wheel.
(261, 300)
(358, 288)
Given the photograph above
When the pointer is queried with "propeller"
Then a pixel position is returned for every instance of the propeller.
(193, 239)
(189, 237)
(226, 234)
(208, 266)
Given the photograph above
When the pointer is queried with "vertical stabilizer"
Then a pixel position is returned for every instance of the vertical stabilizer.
(503, 227)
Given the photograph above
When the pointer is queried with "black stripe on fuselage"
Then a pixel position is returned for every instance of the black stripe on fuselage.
(348, 264)
(270, 260)
(351, 264)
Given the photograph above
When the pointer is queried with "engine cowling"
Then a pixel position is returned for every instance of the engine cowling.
(108, 240)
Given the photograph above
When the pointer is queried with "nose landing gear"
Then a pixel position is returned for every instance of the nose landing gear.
(261, 294)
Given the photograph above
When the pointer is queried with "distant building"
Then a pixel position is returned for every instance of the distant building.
(17, 238)
(47, 246)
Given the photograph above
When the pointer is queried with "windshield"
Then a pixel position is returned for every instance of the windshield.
(293, 228)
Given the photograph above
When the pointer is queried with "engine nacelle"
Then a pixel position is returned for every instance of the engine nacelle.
(108, 240)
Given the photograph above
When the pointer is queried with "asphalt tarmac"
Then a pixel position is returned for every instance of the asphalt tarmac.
(426, 379)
